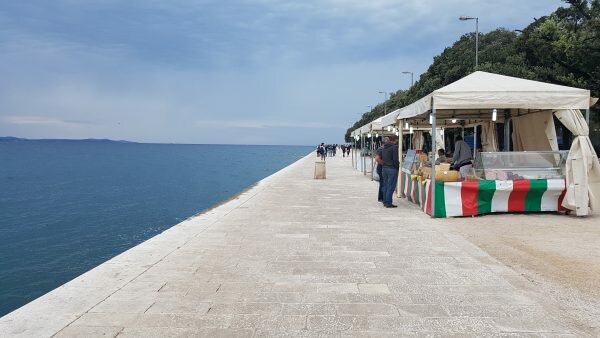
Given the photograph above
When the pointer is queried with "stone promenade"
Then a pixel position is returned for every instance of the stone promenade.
(297, 257)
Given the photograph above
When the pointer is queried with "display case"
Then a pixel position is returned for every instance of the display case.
(520, 165)
(410, 161)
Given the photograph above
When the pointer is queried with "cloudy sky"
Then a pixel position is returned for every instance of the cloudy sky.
(221, 71)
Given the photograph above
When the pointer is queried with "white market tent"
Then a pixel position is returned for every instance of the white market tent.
(482, 90)
(390, 118)
(529, 105)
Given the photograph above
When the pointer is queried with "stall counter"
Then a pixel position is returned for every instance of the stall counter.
(477, 197)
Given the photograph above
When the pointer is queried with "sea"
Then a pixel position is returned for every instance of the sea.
(68, 206)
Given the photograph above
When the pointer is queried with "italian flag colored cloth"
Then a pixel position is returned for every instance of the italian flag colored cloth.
(468, 198)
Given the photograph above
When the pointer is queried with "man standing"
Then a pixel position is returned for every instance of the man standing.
(379, 169)
(391, 165)
(461, 160)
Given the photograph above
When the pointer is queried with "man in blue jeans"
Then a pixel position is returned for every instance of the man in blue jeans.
(379, 169)
(391, 165)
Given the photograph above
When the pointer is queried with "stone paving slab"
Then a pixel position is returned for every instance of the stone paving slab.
(297, 257)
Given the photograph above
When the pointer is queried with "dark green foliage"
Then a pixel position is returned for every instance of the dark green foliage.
(561, 48)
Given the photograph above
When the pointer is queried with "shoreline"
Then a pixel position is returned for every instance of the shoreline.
(53, 298)
(238, 194)
(265, 263)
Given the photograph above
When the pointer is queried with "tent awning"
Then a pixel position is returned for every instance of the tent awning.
(482, 90)
(390, 118)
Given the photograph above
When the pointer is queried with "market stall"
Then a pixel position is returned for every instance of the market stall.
(534, 176)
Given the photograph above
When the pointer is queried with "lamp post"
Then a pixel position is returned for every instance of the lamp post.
(411, 78)
(385, 94)
(465, 18)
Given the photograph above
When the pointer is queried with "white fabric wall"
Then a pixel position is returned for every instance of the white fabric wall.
(583, 169)
(533, 132)
(418, 140)
(489, 137)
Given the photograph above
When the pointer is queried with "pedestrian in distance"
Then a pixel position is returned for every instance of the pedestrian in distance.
(322, 151)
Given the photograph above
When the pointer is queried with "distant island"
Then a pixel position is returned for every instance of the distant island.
(90, 140)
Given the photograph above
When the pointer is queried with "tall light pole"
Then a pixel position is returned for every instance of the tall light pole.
(465, 18)
(411, 78)
(385, 94)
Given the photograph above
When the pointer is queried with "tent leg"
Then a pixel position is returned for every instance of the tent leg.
(474, 140)
(400, 145)
(433, 146)
(364, 160)
(507, 133)
(371, 147)
(352, 154)
(587, 116)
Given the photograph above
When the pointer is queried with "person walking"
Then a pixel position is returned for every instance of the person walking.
(322, 151)
(391, 166)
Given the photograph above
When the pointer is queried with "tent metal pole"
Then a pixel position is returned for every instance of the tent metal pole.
(400, 145)
(433, 146)
(354, 140)
(587, 116)
(474, 140)
(371, 147)
(507, 121)
(364, 159)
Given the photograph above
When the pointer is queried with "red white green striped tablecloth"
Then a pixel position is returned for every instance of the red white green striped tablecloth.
(469, 198)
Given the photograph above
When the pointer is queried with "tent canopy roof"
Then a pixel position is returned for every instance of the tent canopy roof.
(374, 125)
(486, 91)
(390, 118)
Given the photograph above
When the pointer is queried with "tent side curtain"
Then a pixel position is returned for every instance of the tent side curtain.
(489, 137)
(583, 169)
(528, 135)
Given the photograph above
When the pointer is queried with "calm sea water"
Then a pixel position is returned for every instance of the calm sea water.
(66, 207)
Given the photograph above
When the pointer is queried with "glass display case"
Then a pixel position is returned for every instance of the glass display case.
(520, 165)
(410, 161)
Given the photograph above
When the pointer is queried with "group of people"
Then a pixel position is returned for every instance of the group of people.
(388, 165)
(330, 150)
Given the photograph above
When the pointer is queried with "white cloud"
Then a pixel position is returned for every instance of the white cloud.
(42, 120)
(251, 124)
(165, 70)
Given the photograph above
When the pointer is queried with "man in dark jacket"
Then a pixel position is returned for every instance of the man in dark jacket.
(379, 169)
(391, 165)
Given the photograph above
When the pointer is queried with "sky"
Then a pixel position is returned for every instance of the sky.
(222, 71)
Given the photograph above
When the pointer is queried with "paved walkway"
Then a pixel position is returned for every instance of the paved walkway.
(297, 257)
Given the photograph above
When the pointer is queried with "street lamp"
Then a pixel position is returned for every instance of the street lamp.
(411, 77)
(465, 18)
(385, 94)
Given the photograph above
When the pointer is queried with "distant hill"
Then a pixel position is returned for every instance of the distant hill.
(5, 139)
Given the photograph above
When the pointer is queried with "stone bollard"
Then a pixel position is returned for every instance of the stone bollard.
(320, 170)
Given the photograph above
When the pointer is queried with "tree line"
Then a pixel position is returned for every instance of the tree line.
(562, 48)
